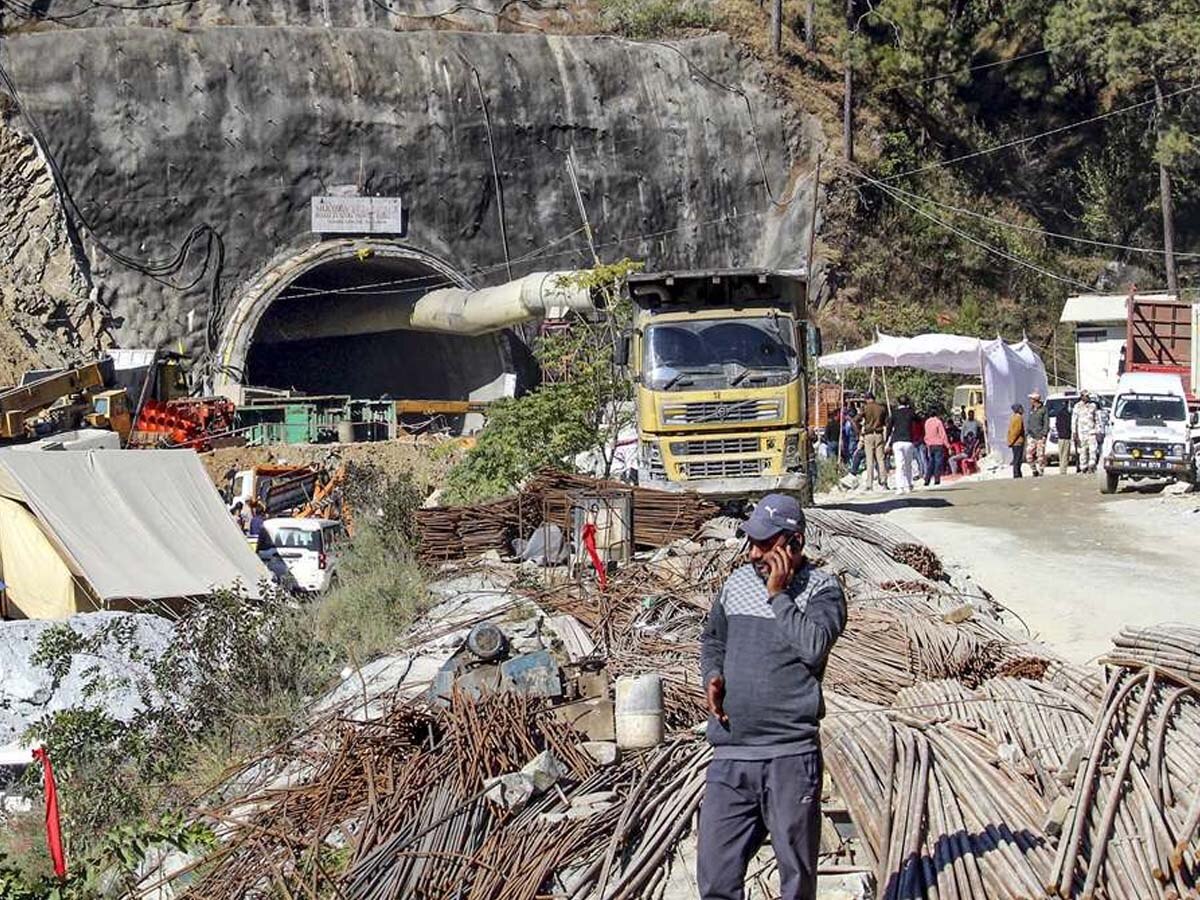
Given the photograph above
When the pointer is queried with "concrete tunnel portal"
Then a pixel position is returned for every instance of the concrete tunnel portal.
(338, 322)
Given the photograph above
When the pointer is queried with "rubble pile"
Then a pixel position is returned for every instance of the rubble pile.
(963, 759)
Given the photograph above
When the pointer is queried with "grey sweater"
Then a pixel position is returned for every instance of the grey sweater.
(771, 652)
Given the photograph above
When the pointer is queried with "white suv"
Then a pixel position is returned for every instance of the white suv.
(301, 553)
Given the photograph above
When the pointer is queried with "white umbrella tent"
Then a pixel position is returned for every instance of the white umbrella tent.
(1009, 372)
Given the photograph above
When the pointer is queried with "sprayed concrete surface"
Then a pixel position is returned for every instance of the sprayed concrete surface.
(1072, 564)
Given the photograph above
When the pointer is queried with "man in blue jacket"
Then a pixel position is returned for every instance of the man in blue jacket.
(762, 658)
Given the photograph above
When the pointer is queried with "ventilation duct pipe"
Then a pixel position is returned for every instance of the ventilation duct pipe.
(538, 295)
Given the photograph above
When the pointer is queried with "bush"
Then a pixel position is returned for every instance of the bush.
(653, 18)
(237, 671)
(544, 428)
(379, 593)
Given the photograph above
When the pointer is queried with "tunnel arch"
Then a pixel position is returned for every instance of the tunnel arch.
(352, 294)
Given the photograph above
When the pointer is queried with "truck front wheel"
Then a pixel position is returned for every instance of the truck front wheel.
(1108, 482)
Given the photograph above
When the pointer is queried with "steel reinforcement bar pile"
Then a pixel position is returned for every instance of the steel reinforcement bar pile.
(404, 798)
(1131, 831)
(941, 810)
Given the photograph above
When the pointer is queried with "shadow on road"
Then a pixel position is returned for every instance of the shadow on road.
(883, 506)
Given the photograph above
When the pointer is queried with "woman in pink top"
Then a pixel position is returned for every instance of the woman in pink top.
(936, 446)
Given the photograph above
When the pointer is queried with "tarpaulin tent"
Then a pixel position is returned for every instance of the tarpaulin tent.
(85, 529)
(1009, 372)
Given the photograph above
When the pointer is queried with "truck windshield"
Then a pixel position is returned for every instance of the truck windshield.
(1151, 406)
(725, 350)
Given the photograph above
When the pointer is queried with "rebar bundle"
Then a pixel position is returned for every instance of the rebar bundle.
(939, 813)
(1132, 828)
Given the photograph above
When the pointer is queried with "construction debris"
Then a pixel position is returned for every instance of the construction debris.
(965, 760)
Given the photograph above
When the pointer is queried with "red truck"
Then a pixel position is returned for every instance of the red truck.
(1159, 338)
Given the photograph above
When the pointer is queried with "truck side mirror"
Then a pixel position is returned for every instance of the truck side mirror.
(1195, 418)
(621, 350)
(814, 341)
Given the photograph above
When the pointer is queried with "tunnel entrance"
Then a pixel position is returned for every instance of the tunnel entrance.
(340, 326)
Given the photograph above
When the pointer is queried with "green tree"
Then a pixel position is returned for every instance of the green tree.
(581, 405)
(1143, 50)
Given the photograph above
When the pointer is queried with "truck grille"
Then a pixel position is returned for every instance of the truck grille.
(720, 447)
(699, 413)
(723, 468)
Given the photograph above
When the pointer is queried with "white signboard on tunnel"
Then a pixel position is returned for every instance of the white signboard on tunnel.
(357, 215)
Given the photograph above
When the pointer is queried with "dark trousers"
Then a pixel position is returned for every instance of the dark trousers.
(1018, 451)
(746, 800)
(935, 461)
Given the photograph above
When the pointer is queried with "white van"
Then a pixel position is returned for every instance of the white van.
(1149, 434)
(302, 553)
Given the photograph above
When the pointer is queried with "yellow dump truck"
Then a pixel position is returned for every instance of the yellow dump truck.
(719, 363)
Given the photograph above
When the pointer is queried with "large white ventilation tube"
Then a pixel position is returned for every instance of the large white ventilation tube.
(538, 295)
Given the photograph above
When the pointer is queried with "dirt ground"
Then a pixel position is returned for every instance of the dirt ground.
(427, 458)
(1073, 564)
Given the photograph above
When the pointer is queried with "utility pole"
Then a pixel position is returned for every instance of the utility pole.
(1165, 196)
(810, 26)
(777, 27)
(848, 87)
(812, 236)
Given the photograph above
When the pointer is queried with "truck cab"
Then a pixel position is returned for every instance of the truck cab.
(1150, 433)
(719, 366)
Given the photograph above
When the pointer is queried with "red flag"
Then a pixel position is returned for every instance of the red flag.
(53, 830)
(589, 541)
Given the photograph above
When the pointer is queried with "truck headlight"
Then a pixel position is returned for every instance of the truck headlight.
(1119, 447)
(791, 450)
(1178, 450)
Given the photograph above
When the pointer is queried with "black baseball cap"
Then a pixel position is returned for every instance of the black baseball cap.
(772, 514)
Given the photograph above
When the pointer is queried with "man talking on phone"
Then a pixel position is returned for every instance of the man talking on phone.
(762, 658)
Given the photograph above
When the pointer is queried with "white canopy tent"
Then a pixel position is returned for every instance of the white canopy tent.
(1009, 372)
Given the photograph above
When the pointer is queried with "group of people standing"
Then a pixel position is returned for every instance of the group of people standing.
(1078, 427)
(929, 444)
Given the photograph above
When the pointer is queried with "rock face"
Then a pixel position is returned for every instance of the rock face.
(680, 150)
(48, 315)
(119, 649)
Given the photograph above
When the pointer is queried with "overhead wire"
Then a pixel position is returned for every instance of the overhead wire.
(1112, 245)
(375, 286)
(1016, 142)
(966, 236)
(942, 76)
(160, 270)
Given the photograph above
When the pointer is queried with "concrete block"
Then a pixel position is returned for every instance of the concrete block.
(849, 886)
(603, 753)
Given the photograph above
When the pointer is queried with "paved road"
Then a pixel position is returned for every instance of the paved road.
(1073, 564)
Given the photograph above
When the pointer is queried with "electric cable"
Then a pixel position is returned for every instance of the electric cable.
(1034, 137)
(1004, 254)
(1027, 228)
(159, 270)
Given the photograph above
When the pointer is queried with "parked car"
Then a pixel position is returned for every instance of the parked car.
(301, 553)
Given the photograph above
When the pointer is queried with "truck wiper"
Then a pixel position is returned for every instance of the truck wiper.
(674, 380)
(743, 375)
